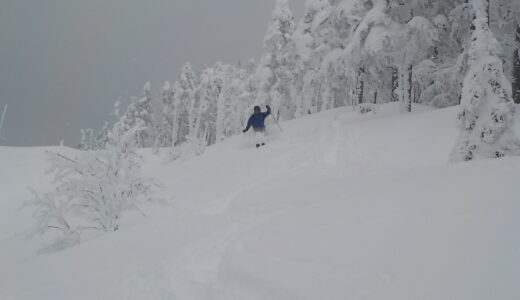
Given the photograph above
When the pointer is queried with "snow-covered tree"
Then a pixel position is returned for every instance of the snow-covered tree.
(102, 137)
(486, 112)
(93, 190)
(210, 89)
(166, 125)
(247, 92)
(418, 41)
(368, 54)
(276, 67)
(184, 101)
(504, 19)
(438, 78)
(140, 113)
(228, 118)
(87, 141)
(314, 38)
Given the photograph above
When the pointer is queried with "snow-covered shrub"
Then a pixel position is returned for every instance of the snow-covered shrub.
(193, 146)
(365, 108)
(93, 190)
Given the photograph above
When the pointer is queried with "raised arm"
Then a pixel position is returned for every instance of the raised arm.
(268, 111)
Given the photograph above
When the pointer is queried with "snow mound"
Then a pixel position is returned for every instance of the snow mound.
(338, 206)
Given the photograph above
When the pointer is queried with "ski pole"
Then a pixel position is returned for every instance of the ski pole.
(276, 121)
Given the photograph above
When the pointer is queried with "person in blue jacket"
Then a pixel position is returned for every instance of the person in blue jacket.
(257, 121)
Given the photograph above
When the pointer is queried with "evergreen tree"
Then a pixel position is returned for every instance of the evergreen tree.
(275, 70)
(165, 126)
(102, 137)
(369, 51)
(184, 99)
(504, 20)
(247, 92)
(228, 107)
(140, 113)
(418, 42)
(486, 112)
(87, 140)
(318, 75)
(212, 81)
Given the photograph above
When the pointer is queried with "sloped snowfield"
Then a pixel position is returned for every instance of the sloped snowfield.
(339, 206)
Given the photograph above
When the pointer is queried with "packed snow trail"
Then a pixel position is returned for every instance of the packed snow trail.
(339, 206)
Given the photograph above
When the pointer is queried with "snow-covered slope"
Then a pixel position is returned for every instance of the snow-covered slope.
(339, 206)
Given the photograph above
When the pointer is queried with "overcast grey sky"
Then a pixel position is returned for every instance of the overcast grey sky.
(63, 63)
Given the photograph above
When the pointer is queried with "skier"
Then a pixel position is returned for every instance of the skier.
(257, 121)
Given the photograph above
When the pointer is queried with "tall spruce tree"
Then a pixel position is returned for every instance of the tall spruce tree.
(140, 113)
(486, 111)
(276, 67)
(184, 98)
(165, 126)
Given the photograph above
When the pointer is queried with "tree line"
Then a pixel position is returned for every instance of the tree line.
(358, 53)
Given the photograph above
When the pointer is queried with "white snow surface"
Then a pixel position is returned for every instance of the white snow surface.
(339, 206)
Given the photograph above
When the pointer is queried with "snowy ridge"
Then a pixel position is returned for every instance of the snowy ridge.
(339, 206)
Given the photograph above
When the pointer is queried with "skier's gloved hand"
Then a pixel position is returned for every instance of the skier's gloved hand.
(268, 107)
(244, 131)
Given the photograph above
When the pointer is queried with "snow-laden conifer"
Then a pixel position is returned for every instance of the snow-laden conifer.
(486, 112)
(275, 70)
(184, 99)
(166, 133)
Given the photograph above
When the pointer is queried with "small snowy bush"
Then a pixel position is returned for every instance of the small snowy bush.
(193, 146)
(365, 108)
(93, 190)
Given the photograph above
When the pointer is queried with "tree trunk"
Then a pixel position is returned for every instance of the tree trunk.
(395, 84)
(409, 89)
(353, 93)
(460, 93)
(516, 68)
(487, 12)
(318, 100)
(361, 85)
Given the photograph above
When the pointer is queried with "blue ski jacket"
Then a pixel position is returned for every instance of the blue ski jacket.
(257, 120)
